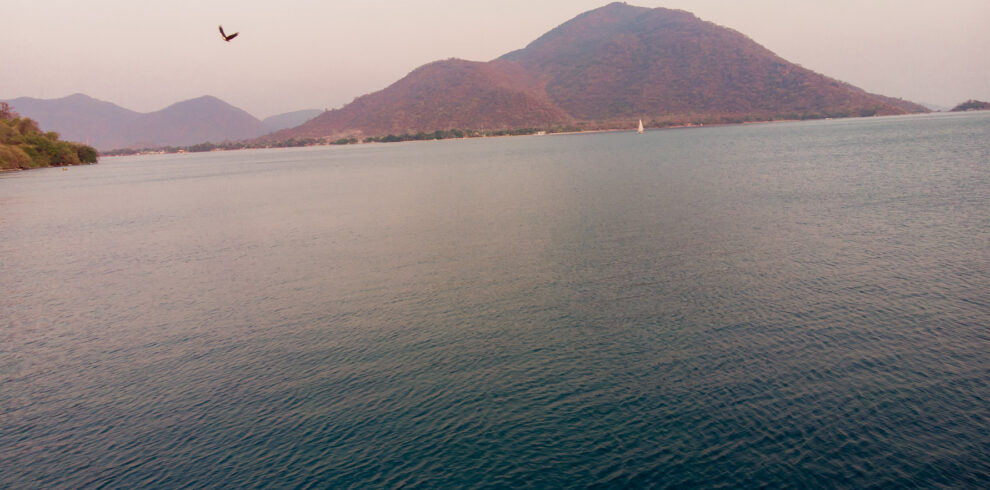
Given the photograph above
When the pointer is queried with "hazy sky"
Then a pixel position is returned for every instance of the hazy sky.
(316, 54)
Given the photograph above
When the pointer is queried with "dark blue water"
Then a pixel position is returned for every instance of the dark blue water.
(784, 305)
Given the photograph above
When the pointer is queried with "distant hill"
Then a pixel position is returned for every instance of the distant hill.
(108, 126)
(972, 105)
(934, 107)
(444, 94)
(193, 121)
(605, 69)
(290, 119)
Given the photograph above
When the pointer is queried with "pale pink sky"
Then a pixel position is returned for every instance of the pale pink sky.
(315, 54)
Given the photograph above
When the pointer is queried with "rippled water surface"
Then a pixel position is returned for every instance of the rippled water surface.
(795, 304)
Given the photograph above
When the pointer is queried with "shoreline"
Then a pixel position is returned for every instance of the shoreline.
(538, 133)
(64, 167)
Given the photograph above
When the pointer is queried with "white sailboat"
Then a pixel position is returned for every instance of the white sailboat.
(640, 130)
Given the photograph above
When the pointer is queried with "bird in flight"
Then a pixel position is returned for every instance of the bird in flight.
(226, 37)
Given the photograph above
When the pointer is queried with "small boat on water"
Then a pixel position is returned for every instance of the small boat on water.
(640, 130)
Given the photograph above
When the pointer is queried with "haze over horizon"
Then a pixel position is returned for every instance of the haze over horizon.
(303, 54)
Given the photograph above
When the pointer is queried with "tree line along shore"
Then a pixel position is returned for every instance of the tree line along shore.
(442, 134)
(24, 145)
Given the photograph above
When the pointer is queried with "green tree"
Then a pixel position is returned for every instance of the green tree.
(26, 126)
(24, 145)
(12, 157)
(86, 153)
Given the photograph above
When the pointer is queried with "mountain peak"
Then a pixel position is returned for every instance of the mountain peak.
(77, 97)
(202, 101)
(612, 9)
(621, 61)
(602, 25)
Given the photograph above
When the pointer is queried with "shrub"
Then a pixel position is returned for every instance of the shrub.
(26, 146)
(13, 157)
(86, 153)
(65, 154)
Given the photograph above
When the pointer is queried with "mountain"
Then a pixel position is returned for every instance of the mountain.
(107, 126)
(444, 94)
(193, 121)
(624, 61)
(290, 119)
(605, 69)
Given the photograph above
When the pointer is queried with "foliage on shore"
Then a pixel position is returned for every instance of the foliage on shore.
(440, 134)
(24, 145)
(227, 145)
(972, 105)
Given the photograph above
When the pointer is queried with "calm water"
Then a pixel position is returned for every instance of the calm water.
(780, 305)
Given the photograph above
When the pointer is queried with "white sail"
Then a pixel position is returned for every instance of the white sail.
(640, 130)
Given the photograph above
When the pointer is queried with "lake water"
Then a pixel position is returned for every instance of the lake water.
(781, 305)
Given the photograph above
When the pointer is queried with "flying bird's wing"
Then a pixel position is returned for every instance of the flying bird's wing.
(225, 36)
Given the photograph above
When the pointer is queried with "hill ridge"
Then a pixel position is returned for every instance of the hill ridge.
(108, 126)
(604, 69)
